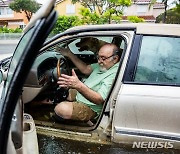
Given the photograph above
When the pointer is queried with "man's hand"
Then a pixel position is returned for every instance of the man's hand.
(69, 81)
(64, 51)
(74, 83)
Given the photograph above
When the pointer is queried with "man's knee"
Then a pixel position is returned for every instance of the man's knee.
(64, 110)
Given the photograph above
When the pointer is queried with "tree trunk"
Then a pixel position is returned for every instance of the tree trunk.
(28, 15)
(165, 12)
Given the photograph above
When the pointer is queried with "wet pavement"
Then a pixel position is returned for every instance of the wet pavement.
(52, 145)
(7, 46)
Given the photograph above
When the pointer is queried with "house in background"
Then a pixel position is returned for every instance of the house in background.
(66, 7)
(138, 8)
(141, 9)
(10, 18)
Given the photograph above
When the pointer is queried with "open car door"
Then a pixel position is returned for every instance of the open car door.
(11, 109)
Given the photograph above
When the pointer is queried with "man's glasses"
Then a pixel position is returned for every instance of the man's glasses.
(103, 58)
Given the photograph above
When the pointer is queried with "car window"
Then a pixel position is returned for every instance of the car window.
(75, 49)
(17, 55)
(159, 60)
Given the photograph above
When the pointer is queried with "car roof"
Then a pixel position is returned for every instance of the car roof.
(141, 28)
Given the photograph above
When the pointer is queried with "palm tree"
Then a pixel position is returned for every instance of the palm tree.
(173, 15)
(165, 8)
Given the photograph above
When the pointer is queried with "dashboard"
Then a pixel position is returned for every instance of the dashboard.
(44, 62)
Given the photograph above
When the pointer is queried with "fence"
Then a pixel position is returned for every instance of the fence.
(15, 36)
(10, 36)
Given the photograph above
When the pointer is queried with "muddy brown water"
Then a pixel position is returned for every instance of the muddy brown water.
(52, 145)
(55, 145)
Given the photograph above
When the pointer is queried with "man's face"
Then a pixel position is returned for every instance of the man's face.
(105, 58)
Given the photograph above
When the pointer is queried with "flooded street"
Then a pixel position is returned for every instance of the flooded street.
(52, 145)
(49, 144)
(7, 46)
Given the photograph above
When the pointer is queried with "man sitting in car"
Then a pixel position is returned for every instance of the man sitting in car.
(92, 93)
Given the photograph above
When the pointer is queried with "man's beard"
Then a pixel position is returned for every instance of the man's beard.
(102, 68)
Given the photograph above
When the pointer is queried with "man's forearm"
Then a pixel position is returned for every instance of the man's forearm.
(89, 94)
(83, 67)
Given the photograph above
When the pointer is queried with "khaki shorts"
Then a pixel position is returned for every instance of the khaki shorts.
(72, 95)
(82, 112)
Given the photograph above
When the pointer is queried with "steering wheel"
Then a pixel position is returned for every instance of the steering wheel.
(62, 67)
(50, 75)
(58, 68)
(58, 94)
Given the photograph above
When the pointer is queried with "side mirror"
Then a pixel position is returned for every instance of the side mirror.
(1, 76)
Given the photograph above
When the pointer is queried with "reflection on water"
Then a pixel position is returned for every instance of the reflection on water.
(52, 145)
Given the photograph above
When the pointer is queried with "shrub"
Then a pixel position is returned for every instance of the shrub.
(10, 30)
(65, 22)
(135, 19)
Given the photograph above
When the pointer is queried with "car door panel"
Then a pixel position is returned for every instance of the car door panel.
(22, 60)
(148, 101)
(146, 110)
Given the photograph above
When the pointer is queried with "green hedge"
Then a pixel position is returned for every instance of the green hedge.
(9, 30)
(65, 22)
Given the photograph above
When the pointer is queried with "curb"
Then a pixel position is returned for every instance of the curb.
(3, 56)
(9, 41)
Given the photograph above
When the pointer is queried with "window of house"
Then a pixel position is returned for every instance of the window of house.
(142, 8)
(2, 11)
(9, 11)
(70, 9)
(159, 60)
(5, 11)
(125, 10)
